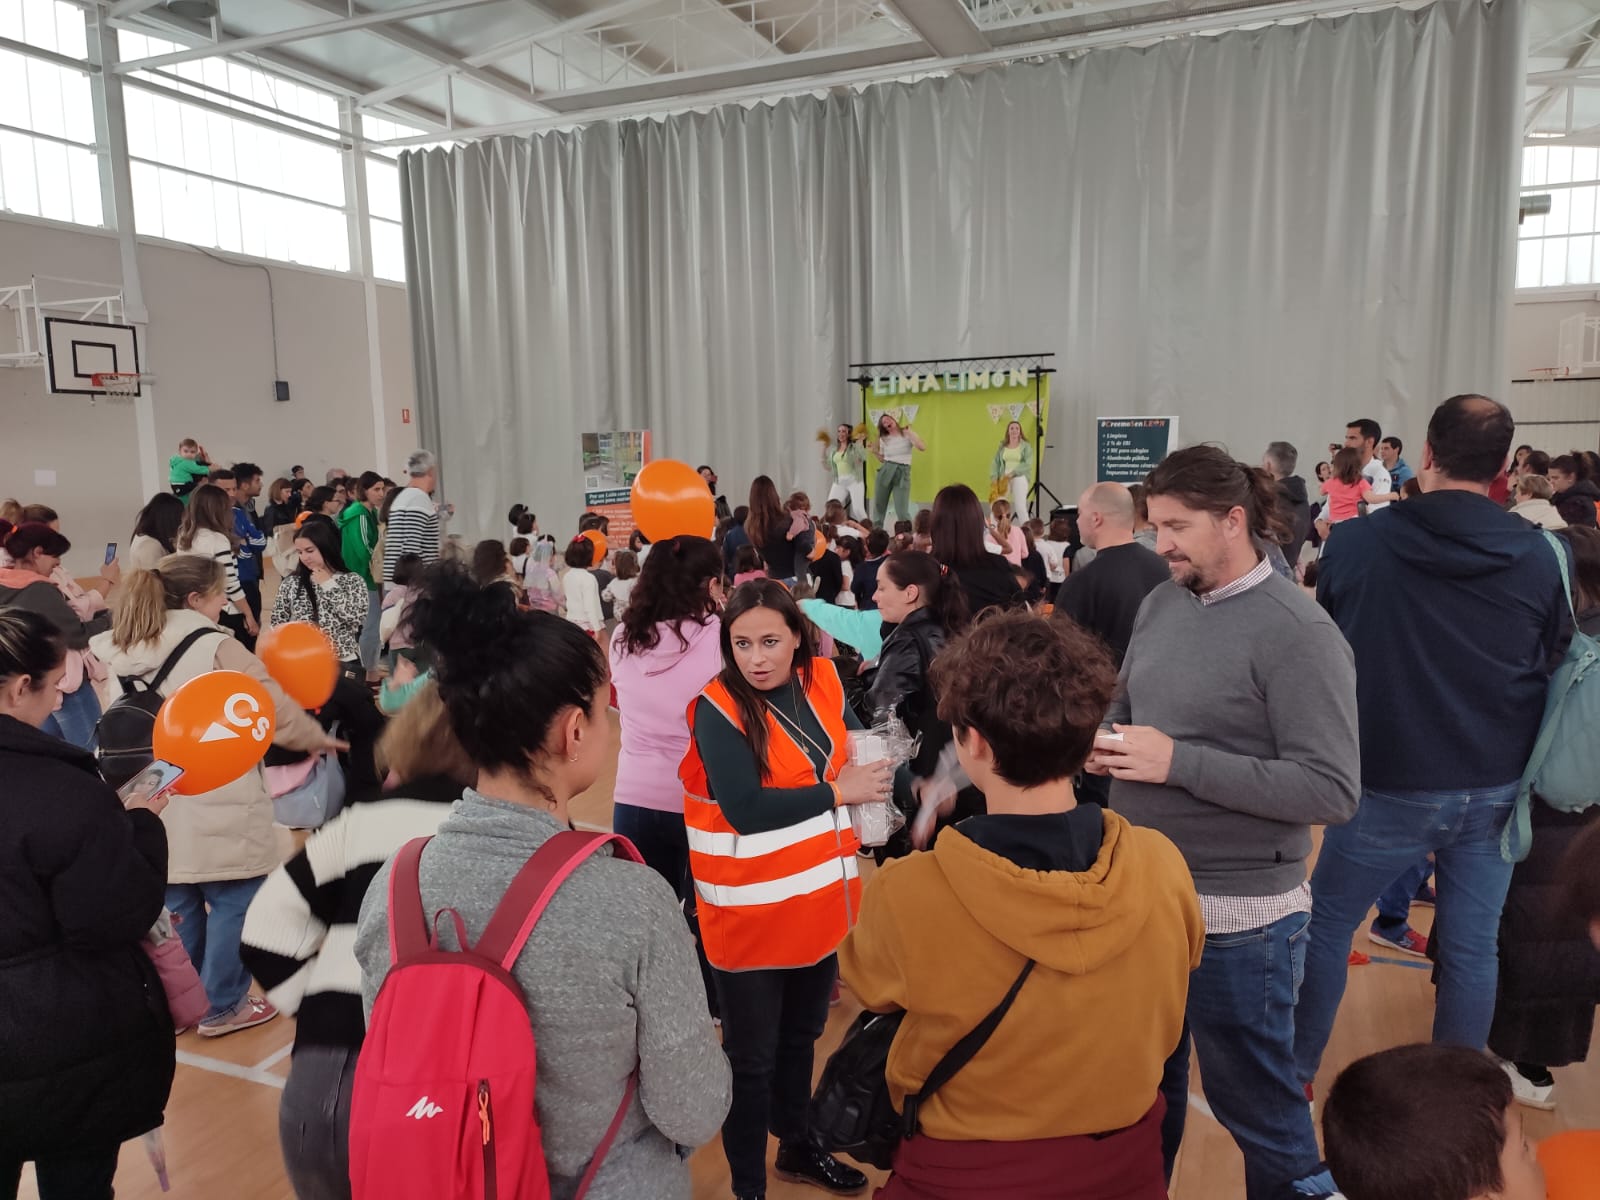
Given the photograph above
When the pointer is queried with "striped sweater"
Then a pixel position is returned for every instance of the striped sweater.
(299, 935)
(413, 528)
(208, 543)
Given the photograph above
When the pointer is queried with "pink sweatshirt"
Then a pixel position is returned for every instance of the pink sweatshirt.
(653, 694)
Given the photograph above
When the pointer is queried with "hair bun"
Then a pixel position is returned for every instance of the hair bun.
(465, 624)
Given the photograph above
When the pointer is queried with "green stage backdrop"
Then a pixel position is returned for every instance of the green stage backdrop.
(961, 420)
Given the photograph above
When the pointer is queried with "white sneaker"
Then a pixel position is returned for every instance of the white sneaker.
(1527, 1092)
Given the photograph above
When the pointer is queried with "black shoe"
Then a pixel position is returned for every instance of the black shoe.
(803, 1163)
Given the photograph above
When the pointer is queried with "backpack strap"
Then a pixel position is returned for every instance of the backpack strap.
(960, 1055)
(171, 662)
(529, 894)
(408, 921)
(610, 1138)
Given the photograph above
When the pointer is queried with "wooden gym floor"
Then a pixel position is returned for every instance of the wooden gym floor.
(221, 1133)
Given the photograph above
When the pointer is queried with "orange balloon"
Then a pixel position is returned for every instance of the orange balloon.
(1571, 1163)
(303, 661)
(216, 727)
(670, 498)
(599, 540)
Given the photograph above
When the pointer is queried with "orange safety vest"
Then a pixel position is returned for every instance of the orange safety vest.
(785, 898)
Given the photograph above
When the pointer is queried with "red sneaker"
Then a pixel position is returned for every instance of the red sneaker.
(1358, 959)
(1409, 942)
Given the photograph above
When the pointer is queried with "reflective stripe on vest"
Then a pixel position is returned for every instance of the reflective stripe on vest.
(786, 897)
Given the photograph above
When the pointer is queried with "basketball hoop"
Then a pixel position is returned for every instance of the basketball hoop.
(116, 383)
(1549, 374)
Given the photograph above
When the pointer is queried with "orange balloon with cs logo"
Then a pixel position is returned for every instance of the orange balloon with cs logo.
(216, 727)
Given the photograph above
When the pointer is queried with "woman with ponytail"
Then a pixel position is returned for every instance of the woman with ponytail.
(221, 842)
(608, 975)
(207, 529)
(29, 582)
(86, 1039)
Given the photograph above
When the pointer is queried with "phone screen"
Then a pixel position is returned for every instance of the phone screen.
(149, 783)
(111, 552)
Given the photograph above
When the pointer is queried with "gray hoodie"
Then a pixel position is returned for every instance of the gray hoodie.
(611, 983)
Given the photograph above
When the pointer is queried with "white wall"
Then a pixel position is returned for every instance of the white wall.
(209, 343)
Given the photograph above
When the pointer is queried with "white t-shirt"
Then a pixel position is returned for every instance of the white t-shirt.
(895, 448)
(1377, 477)
(1052, 553)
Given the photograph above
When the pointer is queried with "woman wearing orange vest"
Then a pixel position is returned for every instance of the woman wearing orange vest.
(774, 863)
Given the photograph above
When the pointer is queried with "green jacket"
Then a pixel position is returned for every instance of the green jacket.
(186, 470)
(358, 534)
(855, 458)
(998, 470)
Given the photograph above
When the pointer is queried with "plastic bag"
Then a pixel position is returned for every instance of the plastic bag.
(887, 741)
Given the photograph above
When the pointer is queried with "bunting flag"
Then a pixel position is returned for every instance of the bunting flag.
(910, 412)
(994, 413)
(1017, 410)
(876, 415)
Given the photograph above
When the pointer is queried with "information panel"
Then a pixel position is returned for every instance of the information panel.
(1126, 448)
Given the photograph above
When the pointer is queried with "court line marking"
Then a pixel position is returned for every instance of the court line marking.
(1400, 962)
(233, 1070)
(276, 1057)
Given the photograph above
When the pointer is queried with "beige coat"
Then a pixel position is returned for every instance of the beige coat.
(225, 833)
(1542, 513)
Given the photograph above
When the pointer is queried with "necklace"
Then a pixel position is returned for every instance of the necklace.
(794, 729)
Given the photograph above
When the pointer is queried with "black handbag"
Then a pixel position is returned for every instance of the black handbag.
(851, 1112)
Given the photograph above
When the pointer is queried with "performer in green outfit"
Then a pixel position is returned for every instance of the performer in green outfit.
(893, 449)
(1013, 469)
(847, 471)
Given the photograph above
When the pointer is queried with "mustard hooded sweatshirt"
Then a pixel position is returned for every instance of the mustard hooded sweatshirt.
(944, 934)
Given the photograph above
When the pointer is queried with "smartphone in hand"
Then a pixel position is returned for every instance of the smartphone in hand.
(150, 783)
(111, 553)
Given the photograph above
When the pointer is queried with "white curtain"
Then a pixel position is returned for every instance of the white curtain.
(1266, 233)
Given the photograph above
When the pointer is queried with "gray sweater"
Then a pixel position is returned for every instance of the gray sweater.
(611, 984)
(1258, 692)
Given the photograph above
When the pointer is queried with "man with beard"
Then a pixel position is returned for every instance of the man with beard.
(1233, 732)
(1293, 503)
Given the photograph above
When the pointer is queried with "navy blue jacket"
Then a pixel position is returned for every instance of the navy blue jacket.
(1454, 609)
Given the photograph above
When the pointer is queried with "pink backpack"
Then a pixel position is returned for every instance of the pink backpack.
(443, 1105)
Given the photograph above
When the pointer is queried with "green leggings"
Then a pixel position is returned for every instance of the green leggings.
(892, 477)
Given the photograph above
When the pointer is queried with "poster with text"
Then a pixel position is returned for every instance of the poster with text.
(611, 461)
(1127, 448)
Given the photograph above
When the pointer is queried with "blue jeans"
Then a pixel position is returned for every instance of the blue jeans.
(1394, 906)
(1241, 1017)
(75, 720)
(1389, 834)
(212, 938)
(369, 629)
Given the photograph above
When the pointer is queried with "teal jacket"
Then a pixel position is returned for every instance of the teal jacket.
(855, 456)
(998, 470)
(863, 631)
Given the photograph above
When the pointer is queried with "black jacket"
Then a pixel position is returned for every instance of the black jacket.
(1549, 968)
(1577, 504)
(1455, 612)
(1297, 508)
(86, 1042)
(901, 683)
(991, 585)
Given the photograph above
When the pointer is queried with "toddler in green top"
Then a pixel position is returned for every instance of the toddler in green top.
(188, 467)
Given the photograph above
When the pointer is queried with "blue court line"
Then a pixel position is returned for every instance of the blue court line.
(1401, 962)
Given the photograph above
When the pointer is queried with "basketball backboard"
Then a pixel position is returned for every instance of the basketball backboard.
(76, 351)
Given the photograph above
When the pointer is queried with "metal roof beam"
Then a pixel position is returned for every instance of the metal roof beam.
(580, 24)
(291, 66)
(262, 41)
(425, 47)
(945, 25)
(819, 70)
(130, 8)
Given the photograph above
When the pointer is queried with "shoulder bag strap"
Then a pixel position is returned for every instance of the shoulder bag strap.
(177, 654)
(408, 920)
(961, 1054)
(530, 891)
(1517, 837)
